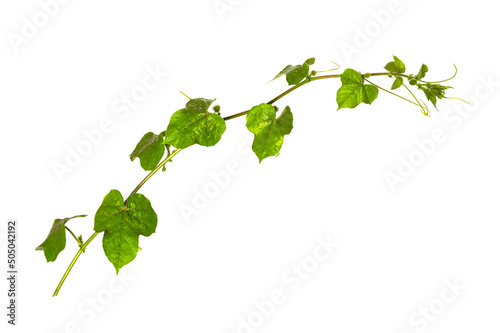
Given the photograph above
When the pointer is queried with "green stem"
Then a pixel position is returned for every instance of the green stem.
(175, 152)
(158, 167)
(425, 110)
(316, 78)
(388, 73)
(236, 115)
(72, 234)
(82, 248)
(390, 92)
(286, 92)
(73, 263)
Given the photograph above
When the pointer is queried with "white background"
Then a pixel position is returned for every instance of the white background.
(398, 247)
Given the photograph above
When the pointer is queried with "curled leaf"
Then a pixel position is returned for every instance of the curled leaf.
(56, 240)
(433, 91)
(150, 150)
(421, 73)
(269, 131)
(295, 74)
(395, 66)
(397, 83)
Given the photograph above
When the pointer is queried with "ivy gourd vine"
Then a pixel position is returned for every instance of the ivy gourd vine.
(123, 220)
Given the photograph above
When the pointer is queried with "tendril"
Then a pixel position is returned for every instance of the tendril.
(185, 94)
(456, 70)
(329, 70)
(425, 109)
(390, 92)
(457, 98)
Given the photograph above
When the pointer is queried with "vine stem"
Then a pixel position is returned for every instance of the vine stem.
(162, 163)
(390, 92)
(175, 152)
(315, 78)
(286, 92)
(82, 248)
(72, 234)
(73, 263)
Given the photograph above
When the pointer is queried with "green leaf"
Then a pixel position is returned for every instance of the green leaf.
(397, 83)
(81, 242)
(56, 240)
(310, 61)
(194, 124)
(421, 73)
(122, 224)
(269, 131)
(284, 71)
(395, 66)
(199, 105)
(150, 150)
(295, 74)
(433, 91)
(429, 95)
(353, 91)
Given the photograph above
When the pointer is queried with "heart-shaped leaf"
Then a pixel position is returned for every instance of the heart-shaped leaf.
(194, 124)
(122, 224)
(353, 91)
